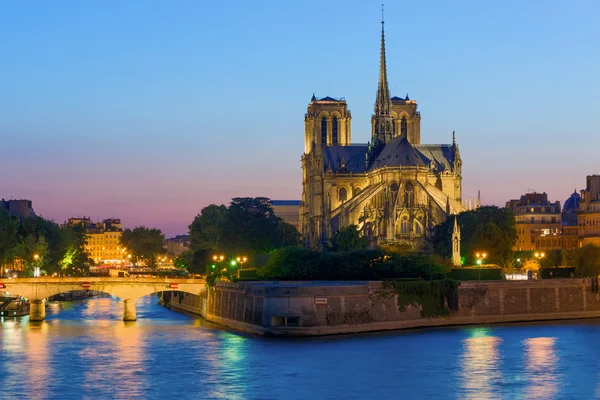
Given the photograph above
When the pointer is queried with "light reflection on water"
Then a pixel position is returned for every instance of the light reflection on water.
(84, 350)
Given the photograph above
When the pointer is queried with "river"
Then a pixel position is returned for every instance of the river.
(83, 350)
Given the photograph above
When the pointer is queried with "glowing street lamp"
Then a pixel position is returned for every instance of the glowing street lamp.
(481, 256)
(242, 260)
(218, 258)
(36, 269)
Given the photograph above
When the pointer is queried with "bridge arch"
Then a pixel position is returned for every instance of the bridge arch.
(37, 290)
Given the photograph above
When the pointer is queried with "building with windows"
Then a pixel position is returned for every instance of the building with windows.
(103, 240)
(394, 188)
(536, 219)
(588, 216)
(288, 211)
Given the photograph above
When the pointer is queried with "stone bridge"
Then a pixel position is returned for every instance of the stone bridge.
(37, 290)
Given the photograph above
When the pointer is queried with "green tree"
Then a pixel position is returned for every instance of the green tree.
(9, 228)
(207, 228)
(587, 261)
(348, 238)
(490, 229)
(288, 234)
(193, 261)
(144, 243)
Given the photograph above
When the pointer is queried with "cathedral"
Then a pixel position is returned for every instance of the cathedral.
(394, 189)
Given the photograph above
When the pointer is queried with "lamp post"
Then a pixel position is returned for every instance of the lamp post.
(539, 257)
(481, 256)
(36, 268)
(241, 260)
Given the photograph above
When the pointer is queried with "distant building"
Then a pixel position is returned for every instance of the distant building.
(20, 208)
(103, 240)
(288, 210)
(536, 217)
(588, 216)
(177, 245)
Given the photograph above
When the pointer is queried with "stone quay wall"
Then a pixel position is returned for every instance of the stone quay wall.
(322, 308)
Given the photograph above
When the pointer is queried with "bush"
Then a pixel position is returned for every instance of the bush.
(305, 264)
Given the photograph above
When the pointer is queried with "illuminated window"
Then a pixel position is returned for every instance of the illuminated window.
(334, 131)
(324, 130)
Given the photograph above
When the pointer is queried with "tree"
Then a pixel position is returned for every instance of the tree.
(9, 227)
(288, 234)
(207, 228)
(348, 238)
(144, 243)
(490, 229)
(248, 225)
(193, 261)
(587, 261)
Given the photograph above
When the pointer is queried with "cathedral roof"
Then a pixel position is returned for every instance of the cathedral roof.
(399, 152)
(351, 157)
(442, 155)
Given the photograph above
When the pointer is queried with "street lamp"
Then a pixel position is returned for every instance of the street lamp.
(36, 268)
(481, 256)
(218, 258)
(242, 260)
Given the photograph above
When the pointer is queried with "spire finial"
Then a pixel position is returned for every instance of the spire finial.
(453, 137)
(382, 19)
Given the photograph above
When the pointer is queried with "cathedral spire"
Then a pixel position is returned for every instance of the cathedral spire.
(383, 103)
(383, 122)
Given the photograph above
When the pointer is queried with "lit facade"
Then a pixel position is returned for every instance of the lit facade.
(393, 188)
(103, 240)
(536, 219)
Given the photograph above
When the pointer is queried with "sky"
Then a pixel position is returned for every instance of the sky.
(150, 110)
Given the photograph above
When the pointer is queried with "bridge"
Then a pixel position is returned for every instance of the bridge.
(37, 290)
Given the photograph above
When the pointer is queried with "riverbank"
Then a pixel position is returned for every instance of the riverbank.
(325, 308)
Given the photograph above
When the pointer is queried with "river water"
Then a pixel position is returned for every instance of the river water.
(83, 350)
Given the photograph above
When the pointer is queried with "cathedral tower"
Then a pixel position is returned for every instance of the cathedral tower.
(327, 122)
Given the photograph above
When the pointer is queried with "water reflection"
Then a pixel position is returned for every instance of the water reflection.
(541, 367)
(480, 364)
(84, 350)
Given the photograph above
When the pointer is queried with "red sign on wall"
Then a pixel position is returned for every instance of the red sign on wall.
(85, 285)
(174, 285)
(2, 286)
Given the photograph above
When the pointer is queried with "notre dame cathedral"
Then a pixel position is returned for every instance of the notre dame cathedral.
(394, 188)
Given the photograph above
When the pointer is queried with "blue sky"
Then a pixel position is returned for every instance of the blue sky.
(151, 110)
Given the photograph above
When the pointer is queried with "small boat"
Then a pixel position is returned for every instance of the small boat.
(13, 306)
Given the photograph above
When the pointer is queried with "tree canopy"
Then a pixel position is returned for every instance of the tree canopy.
(36, 242)
(144, 243)
(248, 226)
(348, 238)
(489, 229)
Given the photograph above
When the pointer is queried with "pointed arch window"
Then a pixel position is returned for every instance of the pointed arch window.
(404, 225)
(403, 127)
(334, 131)
(343, 194)
(324, 130)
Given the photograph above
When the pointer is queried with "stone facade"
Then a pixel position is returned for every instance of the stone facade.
(393, 188)
(588, 216)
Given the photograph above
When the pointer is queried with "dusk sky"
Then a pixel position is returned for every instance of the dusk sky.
(150, 110)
